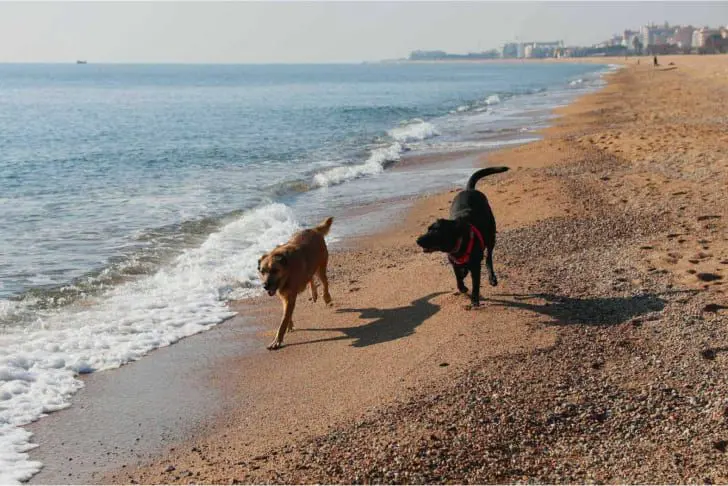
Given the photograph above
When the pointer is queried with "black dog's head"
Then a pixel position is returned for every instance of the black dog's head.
(442, 235)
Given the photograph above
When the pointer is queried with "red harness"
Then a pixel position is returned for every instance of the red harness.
(465, 258)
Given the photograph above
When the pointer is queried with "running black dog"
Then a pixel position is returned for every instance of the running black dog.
(467, 235)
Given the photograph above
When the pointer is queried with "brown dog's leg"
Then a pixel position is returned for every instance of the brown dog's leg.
(321, 272)
(314, 294)
(289, 303)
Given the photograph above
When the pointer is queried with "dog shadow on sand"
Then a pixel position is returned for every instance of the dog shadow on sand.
(388, 324)
(590, 311)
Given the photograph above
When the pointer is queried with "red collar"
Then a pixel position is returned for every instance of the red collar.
(465, 258)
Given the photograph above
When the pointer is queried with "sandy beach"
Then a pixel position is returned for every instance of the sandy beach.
(600, 357)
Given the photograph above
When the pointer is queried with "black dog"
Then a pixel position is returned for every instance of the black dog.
(467, 236)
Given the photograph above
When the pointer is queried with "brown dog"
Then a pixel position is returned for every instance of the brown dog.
(290, 267)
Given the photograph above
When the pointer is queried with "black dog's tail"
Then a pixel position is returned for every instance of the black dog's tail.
(482, 173)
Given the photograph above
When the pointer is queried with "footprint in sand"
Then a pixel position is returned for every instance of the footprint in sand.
(708, 277)
(714, 308)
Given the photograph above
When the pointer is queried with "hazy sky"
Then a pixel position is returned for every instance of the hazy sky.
(311, 32)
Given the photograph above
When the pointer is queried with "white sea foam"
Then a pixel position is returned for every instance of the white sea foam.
(374, 165)
(411, 131)
(576, 82)
(493, 100)
(39, 365)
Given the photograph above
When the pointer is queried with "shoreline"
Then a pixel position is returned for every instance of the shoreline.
(158, 304)
(358, 375)
(603, 311)
(72, 457)
(364, 249)
(120, 438)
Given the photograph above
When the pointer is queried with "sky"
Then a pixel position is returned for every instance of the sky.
(310, 32)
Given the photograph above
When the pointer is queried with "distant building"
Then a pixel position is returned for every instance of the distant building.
(509, 50)
(683, 36)
(646, 35)
(713, 41)
(701, 36)
(657, 35)
(628, 38)
(696, 40)
(540, 49)
(521, 50)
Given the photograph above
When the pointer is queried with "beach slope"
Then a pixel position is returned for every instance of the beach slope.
(601, 356)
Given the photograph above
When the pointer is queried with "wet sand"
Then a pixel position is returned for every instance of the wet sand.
(599, 357)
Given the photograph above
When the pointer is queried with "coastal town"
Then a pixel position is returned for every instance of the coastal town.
(650, 39)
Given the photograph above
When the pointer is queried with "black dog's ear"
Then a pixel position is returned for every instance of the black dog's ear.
(462, 225)
(436, 225)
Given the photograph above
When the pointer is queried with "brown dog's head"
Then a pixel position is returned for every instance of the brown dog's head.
(273, 270)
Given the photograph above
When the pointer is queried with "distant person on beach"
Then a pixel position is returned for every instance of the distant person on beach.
(654, 61)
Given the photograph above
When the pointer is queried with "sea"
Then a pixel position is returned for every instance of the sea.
(135, 200)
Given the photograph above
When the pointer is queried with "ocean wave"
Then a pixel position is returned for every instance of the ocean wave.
(377, 161)
(39, 364)
(285, 188)
(493, 99)
(143, 255)
(410, 131)
(414, 130)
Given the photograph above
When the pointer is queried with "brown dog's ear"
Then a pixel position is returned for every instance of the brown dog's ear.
(261, 259)
(281, 258)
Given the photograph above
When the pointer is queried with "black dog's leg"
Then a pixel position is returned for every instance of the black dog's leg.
(460, 274)
(489, 264)
(475, 276)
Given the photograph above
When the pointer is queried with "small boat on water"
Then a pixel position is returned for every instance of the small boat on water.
(81, 62)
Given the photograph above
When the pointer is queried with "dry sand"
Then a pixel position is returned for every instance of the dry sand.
(600, 357)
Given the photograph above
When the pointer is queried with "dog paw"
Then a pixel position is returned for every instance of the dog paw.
(274, 345)
(472, 306)
(327, 299)
(463, 289)
(493, 281)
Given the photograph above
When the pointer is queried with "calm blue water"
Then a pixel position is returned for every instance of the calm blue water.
(92, 156)
(136, 199)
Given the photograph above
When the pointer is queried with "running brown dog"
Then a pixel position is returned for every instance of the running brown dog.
(288, 268)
